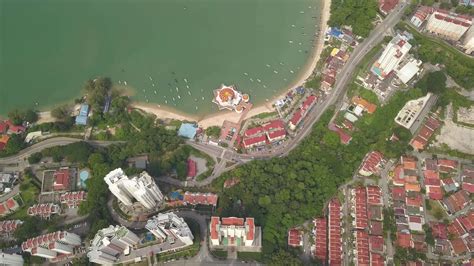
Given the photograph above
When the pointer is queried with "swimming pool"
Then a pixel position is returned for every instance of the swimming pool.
(83, 176)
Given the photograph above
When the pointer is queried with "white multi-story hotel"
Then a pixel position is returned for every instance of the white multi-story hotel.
(410, 112)
(52, 245)
(393, 54)
(109, 243)
(232, 231)
(448, 25)
(169, 227)
(142, 188)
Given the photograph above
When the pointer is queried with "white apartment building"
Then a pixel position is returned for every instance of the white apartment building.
(448, 25)
(109, 243)
(468, 43)
(391, 57)
(232, 231)
(142, 188)
(410, 112)
(52, 245)
(169, 227)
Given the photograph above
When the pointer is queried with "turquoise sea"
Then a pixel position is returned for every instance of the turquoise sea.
(170, 52)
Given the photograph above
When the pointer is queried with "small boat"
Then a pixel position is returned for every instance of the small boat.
(202, 98)
(264, 85)
(155, 92)
(300, 43)
(179, 97)
(159, 105)
(166, 101)
(202, 90)
(285, 79)
(150, 77)
(251, 79)
(274, 71)
(291, 71)
(299, 51)
(189, 92)
(290, 41)
(281, 64)
(301, 12)
(174, 99)
(196, 107)
(195, 99)
(293, 25)
(120, 82)
(153, 84)
(125, 83)
(144, 90)
(268, 65)
(146, 100)
(246, 74)
(177, 90)
(185, 80)
(259, 81)
(187, 86)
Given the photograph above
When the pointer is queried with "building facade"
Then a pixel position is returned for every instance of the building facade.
(141, 188)
(468, 43)
(111, 242)
(391, 57)
(169, 227)
(52, 245)
(448, 25)
(232, 231)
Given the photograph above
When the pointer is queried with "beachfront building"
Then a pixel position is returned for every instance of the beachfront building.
(447, 25)
(268, 133)
(169, 227)
(227, 97)
(300, 114)
(141, 188)
(53, 245)
(410, 112)
(81, 119)
(232, 231)
(391, 57)
(111, 242)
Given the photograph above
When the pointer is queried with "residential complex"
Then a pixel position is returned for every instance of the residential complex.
(335, 232)
(9, 226)
(295, 237)
(52, 245)
(448, 25)
(141, 188)
(299, 115)
(391, 57)
(169, 227)
(267, 133)
(73, 199)
(232, 231)
(193, 198)
(44, 211)
(407, 116)
(371, 164)
(110, 243)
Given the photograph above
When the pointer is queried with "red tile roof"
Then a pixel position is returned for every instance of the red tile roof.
(387, 5)
(251, 228)
(439, 230)
(200, 198)
(458, 246)
(295, 237)
(14, 128)
(376, 259)
(430, 174)
(457, 201)
(435, 192)
(253, 141)
(301, 112)
(447, 163)
(376, 243)
(362, 247)
(11, 203)
(3, 209)
(320, 238)
(192, 165)
(3, 127)
(408, 162)
(455, 228)
(372, 162)
(468, 184)
(253, 131)
(277, 134)
(296, 118)
(415, 200)
(232, 221)
(214, 222)
(360, 198)
(374, 195)
(403, 240)
(61, 179)
(467, 221)
(335, 232)
(398, 193)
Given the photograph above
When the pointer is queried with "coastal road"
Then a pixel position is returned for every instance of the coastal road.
(343, 78)
(48, 143)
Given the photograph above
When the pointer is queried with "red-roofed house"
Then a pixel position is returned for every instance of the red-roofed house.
(360, 204)
(415, 223)
(295, 237)
(376, 259)
(439, 230)
(403, 240)
(467, 221)
(61, 179)
(320, 238)
(14, 129)
(455, 229)
(446, 165)
(376, 243)
(458, 246)
(386, 6)
(3, 209)
(254, 141)
(192, 168)
(468, 184)
(3, 127)
(398, 194)
(371, 164)
(362, 247)
(233, 231)
(335, 232)
(200, 198)
(456, 201)
(302, 111)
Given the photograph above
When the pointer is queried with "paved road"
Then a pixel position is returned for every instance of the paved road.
(48, 143)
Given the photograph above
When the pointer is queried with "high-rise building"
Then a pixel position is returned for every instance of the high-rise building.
(52, 245)
(232, 231)
(142, 188)
(109, 243)
(468, 43)
(393, 54)
(169, 227)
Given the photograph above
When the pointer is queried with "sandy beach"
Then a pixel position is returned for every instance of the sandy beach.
(217, 119)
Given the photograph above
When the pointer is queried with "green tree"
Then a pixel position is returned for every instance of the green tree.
(35, 158)
(30, 116)
(213, 131)
(16, 117)
(62, 112)
(355, 13)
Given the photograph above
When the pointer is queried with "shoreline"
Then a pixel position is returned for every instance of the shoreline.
(216, 119)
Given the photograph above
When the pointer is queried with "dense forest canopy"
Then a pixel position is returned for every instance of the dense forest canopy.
(355, 13)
